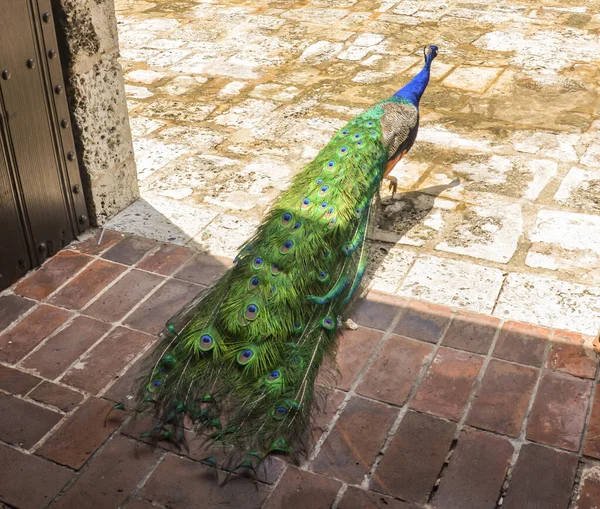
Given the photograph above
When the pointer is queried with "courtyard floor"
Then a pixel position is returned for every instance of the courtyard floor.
(434, 407)
(499, 208)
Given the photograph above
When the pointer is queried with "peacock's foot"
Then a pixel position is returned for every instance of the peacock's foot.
(393, 184)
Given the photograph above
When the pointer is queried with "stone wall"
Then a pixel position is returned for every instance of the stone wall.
(87, 31)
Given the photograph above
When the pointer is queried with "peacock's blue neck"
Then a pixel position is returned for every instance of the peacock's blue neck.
(415, 88)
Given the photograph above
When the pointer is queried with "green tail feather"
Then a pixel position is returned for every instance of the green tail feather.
(242, 359)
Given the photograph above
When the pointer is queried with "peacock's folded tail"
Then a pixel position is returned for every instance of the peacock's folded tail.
(241, 361)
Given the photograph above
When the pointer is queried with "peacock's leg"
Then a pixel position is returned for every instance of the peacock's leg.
(389, 167)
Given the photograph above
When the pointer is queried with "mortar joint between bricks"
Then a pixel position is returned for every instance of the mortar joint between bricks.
(351, 392)
(83, 469)
(405, 407)
(521, 439)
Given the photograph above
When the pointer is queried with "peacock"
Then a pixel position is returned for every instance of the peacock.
(238, 365)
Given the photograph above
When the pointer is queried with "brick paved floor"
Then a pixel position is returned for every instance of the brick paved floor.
(434, 407)
(498, 209)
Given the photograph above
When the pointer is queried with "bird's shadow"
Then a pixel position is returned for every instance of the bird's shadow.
(399, 215)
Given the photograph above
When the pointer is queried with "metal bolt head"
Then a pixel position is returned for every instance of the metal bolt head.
(31, 63)
(64, 123)
(82, 219)
(46, 17)
(52, 53)
(76, 188)
(71, 156)
(5, 74)
(58, 89)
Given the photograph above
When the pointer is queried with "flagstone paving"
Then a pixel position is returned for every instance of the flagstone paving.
(433, 407)
(498, 208)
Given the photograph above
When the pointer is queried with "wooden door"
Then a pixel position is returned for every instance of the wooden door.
(42, 207)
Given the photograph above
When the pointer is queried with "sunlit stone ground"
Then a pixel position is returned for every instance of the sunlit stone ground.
(499, 204)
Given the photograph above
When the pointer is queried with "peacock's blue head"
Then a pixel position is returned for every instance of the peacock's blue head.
(430, 53)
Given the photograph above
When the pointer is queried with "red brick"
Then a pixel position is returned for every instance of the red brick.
(11, 308)
(203, 269)
(51, 275)
(167, 259)
(476, 472)
(120, 298)
(376, 310)
(354, 349)
(57, 396)
(521, 342)
(180, 483)
(592, 437)
(391, 376)
(130, 250)
(424, 321)
(355, 498)
(447, 384)
(91, 246)
(57, 354)
(558, 413)
(29, 482)
(17, 382)
(82, 433)
(30, 331)
(324, 413)
(87, 285)
(124, 389)
(471, 332)
(358, 435)
(502, 400)
(542, 478)
(572, 353)
(300, 490)
(152, 315)
(414, 458)
(104, 362)
(589, 488)
(110, 476)
(24, 423)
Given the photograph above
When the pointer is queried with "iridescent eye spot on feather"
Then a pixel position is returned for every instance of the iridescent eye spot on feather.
(330, 165)
(298, 225)
(324, 205)
(153, 387)
(319, 181)
(273, 290)
(327, 251)
(328, 323)
(206, 343)
(297, 327)
(286, 219)
(287, 246)
(323, 276)
(251, 312)
(323, 190)
(343, 150)
(357, 136)
(369, 124)
(258, 263)
(273, 375)
(305, 204)
(275, 269)
(253, 284)
(359, 144)
(245, 356)
(332, 223)
(280, 412)
(345, 131)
